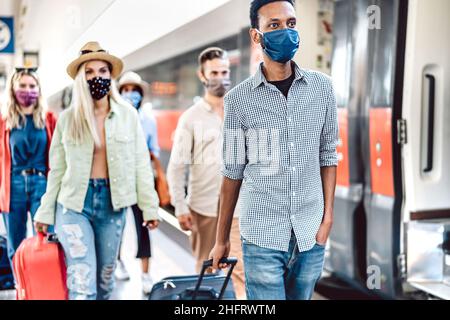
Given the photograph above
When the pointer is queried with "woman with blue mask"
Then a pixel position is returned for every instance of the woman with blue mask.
(134, 97)
(132, 89)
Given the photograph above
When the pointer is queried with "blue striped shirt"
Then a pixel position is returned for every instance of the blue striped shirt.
(277, 146)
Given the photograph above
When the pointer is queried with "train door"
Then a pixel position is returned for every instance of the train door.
(383, 188)
(426, 151)
(346, 256)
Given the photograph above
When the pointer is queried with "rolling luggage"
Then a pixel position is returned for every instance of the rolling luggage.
(6, 275)
(40, 269)
(197, 287)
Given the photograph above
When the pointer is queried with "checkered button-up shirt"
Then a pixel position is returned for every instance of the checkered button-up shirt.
(277, 147)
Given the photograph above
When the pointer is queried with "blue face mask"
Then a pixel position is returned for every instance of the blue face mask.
(281, 45)
(133, 97)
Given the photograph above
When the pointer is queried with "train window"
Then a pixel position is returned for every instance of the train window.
(342, 52)
(174, 84)
(383, 39)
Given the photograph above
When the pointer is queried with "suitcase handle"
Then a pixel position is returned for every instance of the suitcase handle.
(52, 238)
(208, 291)
(49, 238)
(207, 264)
(39, 241)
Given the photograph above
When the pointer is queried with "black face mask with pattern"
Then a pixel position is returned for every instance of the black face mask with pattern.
(99, 87)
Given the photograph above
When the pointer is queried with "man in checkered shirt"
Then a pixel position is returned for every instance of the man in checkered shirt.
(280, 138)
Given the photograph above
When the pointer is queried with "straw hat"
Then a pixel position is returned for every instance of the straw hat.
(92, 51)
(133, 78)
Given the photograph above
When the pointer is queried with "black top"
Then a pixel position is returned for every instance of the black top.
(284, 85)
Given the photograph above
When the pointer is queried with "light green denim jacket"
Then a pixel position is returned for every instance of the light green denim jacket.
(130, 171)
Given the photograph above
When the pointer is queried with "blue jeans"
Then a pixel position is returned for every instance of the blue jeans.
(26, 194)
(91, 240)
(277, 275)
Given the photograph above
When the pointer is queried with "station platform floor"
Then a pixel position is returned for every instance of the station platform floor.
(169, 258)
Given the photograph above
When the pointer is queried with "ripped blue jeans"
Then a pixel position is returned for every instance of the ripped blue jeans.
(91, 241)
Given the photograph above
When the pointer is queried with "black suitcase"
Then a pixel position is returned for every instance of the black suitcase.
(6, 275)
(197, 287)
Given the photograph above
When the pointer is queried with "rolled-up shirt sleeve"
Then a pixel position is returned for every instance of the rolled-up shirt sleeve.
(330, 132)
(234, 149)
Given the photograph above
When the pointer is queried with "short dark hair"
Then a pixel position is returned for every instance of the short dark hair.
(211, 54)
(258, 4)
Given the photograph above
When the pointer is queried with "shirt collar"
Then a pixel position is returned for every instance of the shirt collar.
(205, 105)
(260, 78)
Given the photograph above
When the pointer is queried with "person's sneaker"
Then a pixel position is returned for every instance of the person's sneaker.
(147, 283)
(121, 272)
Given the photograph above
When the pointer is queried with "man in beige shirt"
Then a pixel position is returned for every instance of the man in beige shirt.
(198, 145)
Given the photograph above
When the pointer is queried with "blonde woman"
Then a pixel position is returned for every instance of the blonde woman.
(99, 166)
(26, 129)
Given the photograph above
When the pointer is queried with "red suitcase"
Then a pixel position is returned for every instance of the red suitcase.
(40, 269)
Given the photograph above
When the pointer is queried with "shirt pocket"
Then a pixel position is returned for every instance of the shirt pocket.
(75, 158)
(263, 146)
(310, 120)
(125, 145)
(72, 150)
